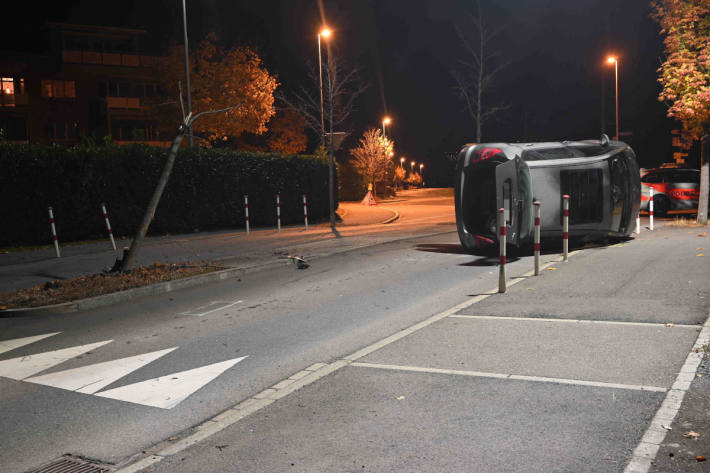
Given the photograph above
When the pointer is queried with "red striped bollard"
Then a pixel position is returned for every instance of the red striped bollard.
(278, 211)
(638, 223)
(108, 226)
(565, 227)
(246, 212)
(536, 249)
(501, 244)
(305, 211)
(650, 208)
(54, 232)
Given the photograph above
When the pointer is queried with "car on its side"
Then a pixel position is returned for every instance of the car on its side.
(673, 189)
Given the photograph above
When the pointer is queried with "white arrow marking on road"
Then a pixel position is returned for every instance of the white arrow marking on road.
(26, 366)
(7, 345)
(170, 390)
(92, 378)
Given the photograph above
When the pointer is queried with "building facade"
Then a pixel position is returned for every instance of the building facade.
(92, 82)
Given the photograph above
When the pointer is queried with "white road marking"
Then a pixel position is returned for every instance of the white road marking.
(519, 377)
(26, 366)
(576, 321)
(211, 307)
(92, 378)
(647, 449)
(170, 390)
(7, 345)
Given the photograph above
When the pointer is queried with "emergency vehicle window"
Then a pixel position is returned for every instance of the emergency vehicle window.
(693, 177)
(652, 178)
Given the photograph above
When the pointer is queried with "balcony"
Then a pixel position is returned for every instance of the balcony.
(131, 103)
(107, 59)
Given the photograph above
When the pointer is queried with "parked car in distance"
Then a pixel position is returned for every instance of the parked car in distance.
(673, 189)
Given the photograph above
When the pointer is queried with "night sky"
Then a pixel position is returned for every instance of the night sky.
(556, 83)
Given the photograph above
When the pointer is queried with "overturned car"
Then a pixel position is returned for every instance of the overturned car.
(600, 176)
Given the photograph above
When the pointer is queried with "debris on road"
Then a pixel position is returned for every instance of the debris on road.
(691, 434)
(298, 261)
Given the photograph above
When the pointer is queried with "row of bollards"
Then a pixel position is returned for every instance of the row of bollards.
(54, 229)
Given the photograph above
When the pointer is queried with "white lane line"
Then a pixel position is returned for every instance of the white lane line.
(519, 377)
(26, 366)
(92, 378)
(575, 321)
(7, 345)
(315, 372)
(647, 449)
(170, 390)
(211, 307)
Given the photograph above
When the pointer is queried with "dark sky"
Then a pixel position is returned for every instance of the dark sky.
(554, 82)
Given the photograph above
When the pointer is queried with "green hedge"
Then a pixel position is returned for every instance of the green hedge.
(205, 192)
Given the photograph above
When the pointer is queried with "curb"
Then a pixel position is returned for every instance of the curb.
(392, 218)
(169, 286)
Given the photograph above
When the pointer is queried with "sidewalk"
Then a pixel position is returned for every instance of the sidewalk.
(360, 226)
(580, 369)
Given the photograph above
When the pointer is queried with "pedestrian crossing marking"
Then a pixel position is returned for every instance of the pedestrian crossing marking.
(170, 390)
(26, 366)
(92, 378)
(7, 345)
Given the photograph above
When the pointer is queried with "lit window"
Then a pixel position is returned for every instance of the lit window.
(8, 85)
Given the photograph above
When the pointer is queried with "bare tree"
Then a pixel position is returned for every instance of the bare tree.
(475, 75)
(342, 85)
(372, 156)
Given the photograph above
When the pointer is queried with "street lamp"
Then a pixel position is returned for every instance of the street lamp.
(325, 33)
(385, 121)
(614, 60)
(420, 168)
(412, 166)
(401, 162)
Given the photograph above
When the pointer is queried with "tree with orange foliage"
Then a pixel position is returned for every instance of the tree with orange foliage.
(288, 133)
(685, 74)
(372, 156)
(220, 78)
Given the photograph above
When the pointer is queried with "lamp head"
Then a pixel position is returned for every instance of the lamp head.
(325, 32)
(387, 120)
(611, 59)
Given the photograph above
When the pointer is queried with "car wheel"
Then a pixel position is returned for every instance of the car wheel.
(661, 205)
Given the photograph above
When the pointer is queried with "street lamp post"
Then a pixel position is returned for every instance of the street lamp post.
(325, 32)
(421, 166)
(401, 162)
(385, 121)
(187, 72)
(615, 61)
(412, 166)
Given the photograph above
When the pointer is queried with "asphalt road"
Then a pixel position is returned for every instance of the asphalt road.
(580, 397)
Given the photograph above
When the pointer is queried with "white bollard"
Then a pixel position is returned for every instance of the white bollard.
(650, 208)
(108, 226)
(54, 232)
(246, 212)
(638, 223)
(305, 211)
(501, 245)
(536, 249)
(565, 227)
(278, 211)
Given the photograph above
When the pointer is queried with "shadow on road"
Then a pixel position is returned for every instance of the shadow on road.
(448, 248)
(489, 261)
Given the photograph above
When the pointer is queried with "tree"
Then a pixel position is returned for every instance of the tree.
(475, 75)
(288, 133)
(372, 156)
(685, 74)
(399, 175)
(220, 78)
(341, 81)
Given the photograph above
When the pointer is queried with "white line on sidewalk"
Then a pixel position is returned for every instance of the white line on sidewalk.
(576, 321)
(647, 449)
(519, 377)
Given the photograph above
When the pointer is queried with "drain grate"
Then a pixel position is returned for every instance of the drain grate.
(68, 464)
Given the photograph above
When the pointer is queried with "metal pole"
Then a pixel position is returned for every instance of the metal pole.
(108, 226)
(565, 227)
(187, 70)
(246, 212)
(384, 133)
(536, 248)
(305, 211)
(638, 223)
(54, 232)
(331, 161)
(616, 80)
(501, 245)
(650, 208)
(320, 77)
(278, 211)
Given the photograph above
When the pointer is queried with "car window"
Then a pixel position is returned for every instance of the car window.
(691, 176)
(652, 178)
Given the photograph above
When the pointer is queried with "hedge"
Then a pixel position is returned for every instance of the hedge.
(205, 192)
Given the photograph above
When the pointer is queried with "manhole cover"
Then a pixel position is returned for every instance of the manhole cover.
(68, 464)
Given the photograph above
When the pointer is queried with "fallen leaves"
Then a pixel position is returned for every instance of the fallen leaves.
(700, 458)
(700, 254)
(399, 398)
(691, 434)
(552, 268)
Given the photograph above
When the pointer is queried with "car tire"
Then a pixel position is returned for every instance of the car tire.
(661, 205)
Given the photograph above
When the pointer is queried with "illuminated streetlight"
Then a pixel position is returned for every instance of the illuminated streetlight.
(325, 33)
(420, 168)
(401, 162)
(412, 166)
(614, 60)
(385, 121)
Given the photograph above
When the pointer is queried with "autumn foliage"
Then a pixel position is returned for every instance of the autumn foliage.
(685, 73)
(371, 158)
(288, 133)
(220, 78)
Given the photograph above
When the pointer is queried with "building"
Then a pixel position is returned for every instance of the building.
(92, 82)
